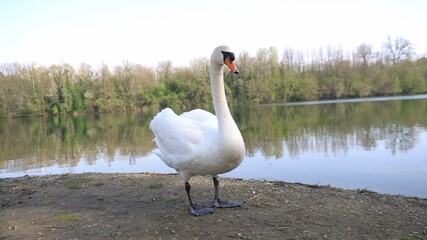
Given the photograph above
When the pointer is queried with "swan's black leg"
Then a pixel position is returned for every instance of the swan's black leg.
(224, 204)
(193, 208)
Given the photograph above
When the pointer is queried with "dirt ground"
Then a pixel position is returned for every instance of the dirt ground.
(154, 206)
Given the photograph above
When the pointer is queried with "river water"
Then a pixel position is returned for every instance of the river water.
(378, 144)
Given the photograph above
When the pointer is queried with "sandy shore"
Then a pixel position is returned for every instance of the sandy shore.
(154, 206)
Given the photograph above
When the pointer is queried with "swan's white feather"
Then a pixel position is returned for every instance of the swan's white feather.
(183, 139)
(202, 117)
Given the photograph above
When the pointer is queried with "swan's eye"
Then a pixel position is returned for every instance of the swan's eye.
(232, 57)
(228, 54)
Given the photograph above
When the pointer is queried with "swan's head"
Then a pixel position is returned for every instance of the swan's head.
(223, 55)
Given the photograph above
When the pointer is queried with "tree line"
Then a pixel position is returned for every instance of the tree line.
(296, 75)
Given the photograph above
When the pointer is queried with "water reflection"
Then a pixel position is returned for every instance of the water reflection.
(332, 128)
(28, 143)
(332, 134)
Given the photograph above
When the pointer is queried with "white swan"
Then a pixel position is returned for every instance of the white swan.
(200, 143)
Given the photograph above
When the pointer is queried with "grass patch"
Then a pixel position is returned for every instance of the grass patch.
(156, 185)
(99, 184)
(65, 217)
(78, 183)
(412, 237)
(2, 222)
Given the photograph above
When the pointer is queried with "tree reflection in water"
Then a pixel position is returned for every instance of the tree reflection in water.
(273, 130)
(332, 128)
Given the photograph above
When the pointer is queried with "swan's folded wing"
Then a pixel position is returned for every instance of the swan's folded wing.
(201, 116)
(177, 138)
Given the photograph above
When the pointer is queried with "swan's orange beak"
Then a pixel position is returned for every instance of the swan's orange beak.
(231, 65)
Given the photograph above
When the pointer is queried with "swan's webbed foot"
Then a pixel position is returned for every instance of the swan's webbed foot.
(200, 210)
(224, 204)
(228, 204)
(193, 209)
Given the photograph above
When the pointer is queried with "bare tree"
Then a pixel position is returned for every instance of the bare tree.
(199, 68)
(398, 49)
(246, 65)
(164, 70)
(288, 58)
(363, 53)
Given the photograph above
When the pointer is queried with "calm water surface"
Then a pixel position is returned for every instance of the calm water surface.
(379, 144)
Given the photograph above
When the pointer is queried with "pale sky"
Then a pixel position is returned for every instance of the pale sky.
(147, 32)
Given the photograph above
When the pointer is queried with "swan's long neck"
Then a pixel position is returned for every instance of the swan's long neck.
(229, 142)
(219, 100)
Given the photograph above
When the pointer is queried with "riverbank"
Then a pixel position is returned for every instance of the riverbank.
(154, 206)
